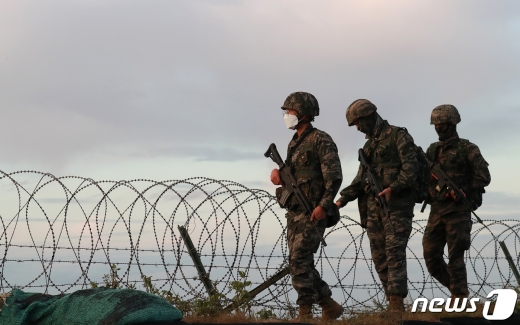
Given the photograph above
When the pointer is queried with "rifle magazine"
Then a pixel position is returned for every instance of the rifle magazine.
(283, 197)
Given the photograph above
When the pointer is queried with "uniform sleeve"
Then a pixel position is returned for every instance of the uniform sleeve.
(354, 190)
(479, 166)
(330, 169)
(409, 163)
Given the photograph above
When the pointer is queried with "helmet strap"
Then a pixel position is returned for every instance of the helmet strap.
(303, 119)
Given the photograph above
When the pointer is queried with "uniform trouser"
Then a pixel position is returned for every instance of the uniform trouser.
(388, 250)
(454, 229)
(303, 241)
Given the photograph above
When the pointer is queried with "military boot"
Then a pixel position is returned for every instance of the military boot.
(395, 304)
(330, 309)
(305, 312)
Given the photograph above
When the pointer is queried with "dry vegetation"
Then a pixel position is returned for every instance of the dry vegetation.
(378, 318)
(360, 318)
(209, 309)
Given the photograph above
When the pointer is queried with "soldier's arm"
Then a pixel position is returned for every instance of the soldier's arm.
(409, 163)
(330, 169)
(354, 190)
(479, 167)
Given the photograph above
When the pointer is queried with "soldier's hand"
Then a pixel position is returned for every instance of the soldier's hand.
(454, 195)
(386, 192)
(318, 213)
(338, 203)
(275, 177)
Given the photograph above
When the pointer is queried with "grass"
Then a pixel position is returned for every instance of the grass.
(357, 318)
(362, 318)
(205, 309)
(369, 317)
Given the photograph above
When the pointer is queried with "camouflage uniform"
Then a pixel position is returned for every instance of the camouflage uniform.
(392, 151)
(314, 161)
(450, 221)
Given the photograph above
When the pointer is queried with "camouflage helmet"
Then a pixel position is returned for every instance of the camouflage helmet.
(359, 108)
(445, 114)
(303, 103)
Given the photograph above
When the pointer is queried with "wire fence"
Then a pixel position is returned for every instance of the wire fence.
(61, 234)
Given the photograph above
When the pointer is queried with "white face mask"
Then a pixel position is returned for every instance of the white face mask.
(290, 121)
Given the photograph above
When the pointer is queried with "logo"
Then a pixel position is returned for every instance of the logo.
(504, 304)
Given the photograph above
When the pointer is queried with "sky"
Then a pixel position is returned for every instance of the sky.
(167, 90)
(176, 89)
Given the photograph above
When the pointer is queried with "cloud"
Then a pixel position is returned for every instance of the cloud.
(195, 153)
(206, 79)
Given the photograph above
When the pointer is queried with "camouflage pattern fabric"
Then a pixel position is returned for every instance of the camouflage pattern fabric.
(388, 250)
(454, 229)
(450, 221)
(466, 167)
(359, 108)
(100, 306)
(303, 241)
(314, 162)
(445, 114)
(396, 165)
(302, 102)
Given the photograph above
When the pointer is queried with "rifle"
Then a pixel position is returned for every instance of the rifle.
(375, 185)
(444, 181)
(290, 185)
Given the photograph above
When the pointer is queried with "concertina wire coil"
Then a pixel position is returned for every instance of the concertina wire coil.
(59, 234)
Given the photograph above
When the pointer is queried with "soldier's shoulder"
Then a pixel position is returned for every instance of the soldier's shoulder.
(466, 143)
(395, 129)
(323, 142)
(434, 145)
(322, 135)
(431, 147)
(401, 133)
(470, 148)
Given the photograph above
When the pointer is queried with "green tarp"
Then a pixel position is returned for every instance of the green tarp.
(93, 306)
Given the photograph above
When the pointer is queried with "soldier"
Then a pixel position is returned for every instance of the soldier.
(392, 153)
(313, 159)
(450, 219)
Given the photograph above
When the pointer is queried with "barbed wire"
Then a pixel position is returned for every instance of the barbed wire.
(60, 234)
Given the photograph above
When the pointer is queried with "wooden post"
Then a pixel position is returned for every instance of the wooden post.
(195, 257)
(266, 284)
(510, 261)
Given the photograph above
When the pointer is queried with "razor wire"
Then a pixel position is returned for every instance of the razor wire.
(61, 234)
